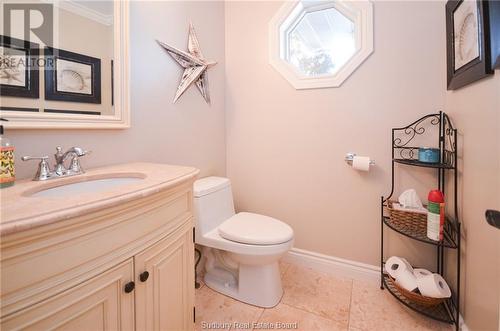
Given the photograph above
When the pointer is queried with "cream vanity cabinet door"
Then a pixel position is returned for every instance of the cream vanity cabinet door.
(99, 303)
(165, 297)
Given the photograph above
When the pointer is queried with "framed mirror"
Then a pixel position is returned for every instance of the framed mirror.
(64, 65)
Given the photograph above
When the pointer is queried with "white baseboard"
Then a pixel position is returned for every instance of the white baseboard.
(333, 265)
(341, 267)
(462, 325)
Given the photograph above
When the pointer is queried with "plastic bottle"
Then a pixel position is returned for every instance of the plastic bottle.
(7, 170)
(435, 215)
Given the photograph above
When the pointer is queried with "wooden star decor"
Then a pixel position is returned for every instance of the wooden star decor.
(194, 63)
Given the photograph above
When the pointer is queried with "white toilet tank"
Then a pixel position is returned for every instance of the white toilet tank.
(213, 203)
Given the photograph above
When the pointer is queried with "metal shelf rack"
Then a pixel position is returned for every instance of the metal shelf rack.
(405, 154)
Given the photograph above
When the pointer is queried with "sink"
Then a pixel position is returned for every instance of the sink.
(80, 185)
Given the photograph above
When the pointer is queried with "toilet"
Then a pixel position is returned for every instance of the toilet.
(242, 250)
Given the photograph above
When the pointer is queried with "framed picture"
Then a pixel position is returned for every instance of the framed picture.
(72, 77)
(495, 33)
(468, 42)
(19, 74)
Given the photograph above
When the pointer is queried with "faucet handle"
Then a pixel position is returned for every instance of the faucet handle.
(43, 171)
(75, 165)
(28, 158)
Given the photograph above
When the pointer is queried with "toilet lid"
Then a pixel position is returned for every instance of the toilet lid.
(255, 229)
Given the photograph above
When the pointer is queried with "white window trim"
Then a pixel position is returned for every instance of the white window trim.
(360, 12)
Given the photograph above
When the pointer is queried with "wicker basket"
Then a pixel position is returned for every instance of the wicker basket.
(412, 221)
(416, 297)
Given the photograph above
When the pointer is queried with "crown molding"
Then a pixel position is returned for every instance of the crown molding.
(83, 11)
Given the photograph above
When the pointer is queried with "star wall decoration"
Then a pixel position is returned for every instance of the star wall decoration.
(194, 63)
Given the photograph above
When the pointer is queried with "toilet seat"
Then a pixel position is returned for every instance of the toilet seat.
(255, 229)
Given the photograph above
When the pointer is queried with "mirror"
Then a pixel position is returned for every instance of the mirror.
(64, 64)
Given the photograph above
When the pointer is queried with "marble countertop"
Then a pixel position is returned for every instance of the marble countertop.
(20, 211)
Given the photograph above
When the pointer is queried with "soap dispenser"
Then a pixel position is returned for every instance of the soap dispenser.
(7, 173)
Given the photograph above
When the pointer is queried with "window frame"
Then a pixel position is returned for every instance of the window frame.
(290, 15)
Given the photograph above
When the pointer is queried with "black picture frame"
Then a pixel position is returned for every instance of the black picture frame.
(112, 82)
(22, 109)
(67, 111)
(31, 87)
(494, 9)
(52, 55)
(478, 68)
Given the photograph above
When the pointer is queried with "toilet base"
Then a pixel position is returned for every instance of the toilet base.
(258, 285)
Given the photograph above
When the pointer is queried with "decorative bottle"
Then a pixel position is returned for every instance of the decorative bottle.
(7, 173)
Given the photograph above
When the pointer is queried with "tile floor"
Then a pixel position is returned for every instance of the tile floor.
(313, 301)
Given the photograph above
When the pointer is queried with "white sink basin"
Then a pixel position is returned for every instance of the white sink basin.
(87, 185)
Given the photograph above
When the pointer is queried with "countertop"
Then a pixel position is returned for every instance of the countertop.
(20, 211)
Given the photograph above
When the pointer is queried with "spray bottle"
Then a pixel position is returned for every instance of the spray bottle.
(435, 215)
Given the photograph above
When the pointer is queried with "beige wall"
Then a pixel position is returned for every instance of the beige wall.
(189, 132)
(475, 110)
(286, 147)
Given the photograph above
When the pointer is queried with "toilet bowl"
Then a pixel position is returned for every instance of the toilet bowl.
(242, 250)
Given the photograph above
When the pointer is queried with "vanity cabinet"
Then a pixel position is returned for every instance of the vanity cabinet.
(97, 304)
(165, 285)
(126, 267)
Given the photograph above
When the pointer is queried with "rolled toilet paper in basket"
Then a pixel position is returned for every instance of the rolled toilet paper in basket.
(401, 270)
(407, 280)
(396, 264)
(419, 272)
(433, 286)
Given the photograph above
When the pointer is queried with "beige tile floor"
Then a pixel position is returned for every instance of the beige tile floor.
(313, 301)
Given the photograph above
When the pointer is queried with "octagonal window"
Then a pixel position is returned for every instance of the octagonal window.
(320, 42)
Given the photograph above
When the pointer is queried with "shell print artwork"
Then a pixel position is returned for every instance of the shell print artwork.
(466, 39)
(72, 80)
(74, 77)
(12, 67)
(194, 63)
(466, 32)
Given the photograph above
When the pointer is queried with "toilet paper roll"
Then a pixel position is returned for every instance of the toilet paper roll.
(361, 163)
(421, 272)
(395, 265)
(407, 280)
(433, 286)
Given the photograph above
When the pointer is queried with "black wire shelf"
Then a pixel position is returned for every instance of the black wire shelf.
(406, 142)
(449, 233)
(417, 163)
(441, 312)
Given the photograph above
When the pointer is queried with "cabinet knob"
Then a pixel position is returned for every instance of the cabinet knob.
(129, 287)
(144, 276)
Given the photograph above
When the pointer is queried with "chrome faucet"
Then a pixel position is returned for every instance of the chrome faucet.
(60, 170)
(62, 157)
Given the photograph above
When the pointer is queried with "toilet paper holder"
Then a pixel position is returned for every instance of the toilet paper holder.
(350, 156)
